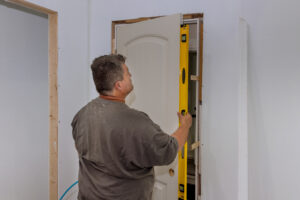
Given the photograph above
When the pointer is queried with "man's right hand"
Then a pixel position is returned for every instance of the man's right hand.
(185, 120)
(182, 131)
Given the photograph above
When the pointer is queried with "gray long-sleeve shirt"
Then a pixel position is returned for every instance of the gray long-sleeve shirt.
(118, 147)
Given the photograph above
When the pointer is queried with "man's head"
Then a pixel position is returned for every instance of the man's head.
(111, 75)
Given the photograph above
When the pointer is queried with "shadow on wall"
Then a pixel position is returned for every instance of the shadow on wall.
(23, 9)
(259, 171)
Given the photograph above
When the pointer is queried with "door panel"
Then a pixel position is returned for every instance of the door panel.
(152, 51)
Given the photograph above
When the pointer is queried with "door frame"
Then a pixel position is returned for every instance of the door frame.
(53, 93)
(186, 17)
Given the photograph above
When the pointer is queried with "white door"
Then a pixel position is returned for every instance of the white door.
(152, 51)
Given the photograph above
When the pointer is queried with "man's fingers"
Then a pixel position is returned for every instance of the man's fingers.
(188, 114)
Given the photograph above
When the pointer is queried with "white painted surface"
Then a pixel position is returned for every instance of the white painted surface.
(273, 81)
(23, 104)
(274, 96)
(152, 48)
(243, 111)
(73, 70)
(273, 89)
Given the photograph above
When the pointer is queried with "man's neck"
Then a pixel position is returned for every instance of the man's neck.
(112, 98)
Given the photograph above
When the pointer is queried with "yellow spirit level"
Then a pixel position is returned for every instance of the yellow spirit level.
(183, 108)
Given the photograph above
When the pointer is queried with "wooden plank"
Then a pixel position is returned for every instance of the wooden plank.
(194, 78)
(113, 37)
(53, 100)
(32, 6)
(130, 21)
(193, 16)
(195, 145)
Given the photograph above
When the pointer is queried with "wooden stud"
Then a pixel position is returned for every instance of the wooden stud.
(195, 145)
(53, 93)
(53, 100)
(195, 78)
(113, 37)
(193, 16)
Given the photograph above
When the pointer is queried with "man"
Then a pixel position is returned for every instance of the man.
(118, 146)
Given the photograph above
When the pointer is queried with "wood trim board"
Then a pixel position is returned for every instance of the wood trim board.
(53, 100)
(53, 92)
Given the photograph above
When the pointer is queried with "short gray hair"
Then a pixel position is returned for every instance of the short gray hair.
(107, 70)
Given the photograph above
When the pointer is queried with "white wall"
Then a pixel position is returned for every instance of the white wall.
(274, 96)
(72, 79)
(273, 93)
(23, 104)
(273, 86)
(220, 92)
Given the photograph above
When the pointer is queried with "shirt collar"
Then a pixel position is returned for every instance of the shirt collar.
(112, 98)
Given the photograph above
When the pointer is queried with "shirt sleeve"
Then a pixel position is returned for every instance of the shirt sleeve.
(147, 145)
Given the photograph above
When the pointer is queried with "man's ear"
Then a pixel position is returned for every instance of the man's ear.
(118, 85)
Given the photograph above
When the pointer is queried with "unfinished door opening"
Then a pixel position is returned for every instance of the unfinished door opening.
(192, 183)
(194, 103)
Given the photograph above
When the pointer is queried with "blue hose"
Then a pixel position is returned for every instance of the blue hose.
(67, 190)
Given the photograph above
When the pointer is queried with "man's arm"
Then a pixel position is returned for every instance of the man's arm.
(182, 131)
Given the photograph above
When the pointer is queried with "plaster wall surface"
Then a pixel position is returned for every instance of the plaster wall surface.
(273, 86)
(23, 103)
(73, 69)
(274, 96)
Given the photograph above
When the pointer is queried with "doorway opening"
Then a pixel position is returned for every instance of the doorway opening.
(195, 21)
(194, 104)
